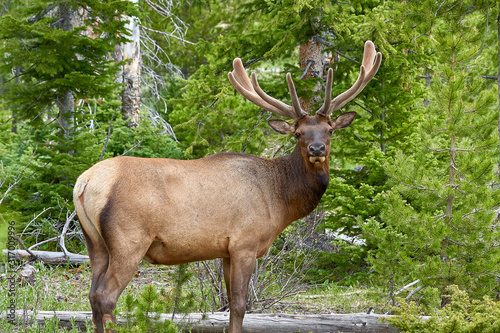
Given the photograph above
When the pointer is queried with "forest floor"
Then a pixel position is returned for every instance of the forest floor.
(66, 289)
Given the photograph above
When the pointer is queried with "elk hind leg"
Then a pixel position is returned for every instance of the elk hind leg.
(98, 255)
(117, 277)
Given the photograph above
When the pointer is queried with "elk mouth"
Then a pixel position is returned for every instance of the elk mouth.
(317, 159)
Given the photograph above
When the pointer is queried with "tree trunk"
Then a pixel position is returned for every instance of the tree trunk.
(50, 258)
(65, 102)
(451, 179)
(253, 323)
(312, 61)
(131, 73)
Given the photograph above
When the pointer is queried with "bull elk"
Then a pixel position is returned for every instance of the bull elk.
(230, 206)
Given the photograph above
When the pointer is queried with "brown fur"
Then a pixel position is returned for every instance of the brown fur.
(229, 206)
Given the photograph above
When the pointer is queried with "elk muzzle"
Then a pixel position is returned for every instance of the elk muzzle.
(317, 152)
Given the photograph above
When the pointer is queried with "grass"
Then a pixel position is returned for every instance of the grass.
(66, 289)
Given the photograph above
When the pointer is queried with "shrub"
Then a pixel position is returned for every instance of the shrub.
(459, 314)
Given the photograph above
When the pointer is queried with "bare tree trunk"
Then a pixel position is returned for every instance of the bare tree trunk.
(66, 102)
(131, 74)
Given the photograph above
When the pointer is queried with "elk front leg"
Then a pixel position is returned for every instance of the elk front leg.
(241, 268)
(226, 268)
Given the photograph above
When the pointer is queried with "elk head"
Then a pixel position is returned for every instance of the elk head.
(312, 132)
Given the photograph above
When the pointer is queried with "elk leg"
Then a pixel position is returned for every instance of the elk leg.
(98, 255)
(99, 267)
(120, 271)
(226, 267)
(242, 265)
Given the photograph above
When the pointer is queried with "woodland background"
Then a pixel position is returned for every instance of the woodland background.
(414, 189)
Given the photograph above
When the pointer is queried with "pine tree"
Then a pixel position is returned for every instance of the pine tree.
(438, 223)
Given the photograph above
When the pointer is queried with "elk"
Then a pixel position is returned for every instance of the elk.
(228, 205)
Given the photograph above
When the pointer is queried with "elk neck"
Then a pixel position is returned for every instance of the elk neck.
(300, 183)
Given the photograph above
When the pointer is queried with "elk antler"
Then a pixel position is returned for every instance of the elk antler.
(369, 67)
(252, 91)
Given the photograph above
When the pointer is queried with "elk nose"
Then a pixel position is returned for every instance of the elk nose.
(317, 149)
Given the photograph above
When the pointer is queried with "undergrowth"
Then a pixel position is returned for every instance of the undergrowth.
(460, 314)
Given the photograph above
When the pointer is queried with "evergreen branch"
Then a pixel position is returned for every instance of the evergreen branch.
(253, 61)
(437, 10)
(11, 118)
(474, 211)
(361, 106)
(328, 44)
(490, 77)
(455, 242)
(450, 149)
(41, 15)
(17, 75)
(484, 38)
(421, 188)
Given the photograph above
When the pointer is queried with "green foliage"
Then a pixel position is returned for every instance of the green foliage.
(459, 314)
(391, 180)
(437, 221)
(142, 312)
(51, 59)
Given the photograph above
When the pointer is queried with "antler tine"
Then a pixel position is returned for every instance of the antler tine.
(240, 81)
(273, 101)
(241, 75)
(328, 93)
(295, 99)
(370, 65)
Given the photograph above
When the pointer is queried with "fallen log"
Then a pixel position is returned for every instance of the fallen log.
(218, 322)
(51, 258)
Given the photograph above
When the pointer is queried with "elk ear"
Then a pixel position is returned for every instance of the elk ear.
(343, 120)
(281, 126)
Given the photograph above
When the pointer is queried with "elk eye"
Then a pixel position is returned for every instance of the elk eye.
(330, 131)
(296, 134)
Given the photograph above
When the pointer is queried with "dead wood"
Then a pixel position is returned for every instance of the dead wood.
(51, 258)
(253, 323)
